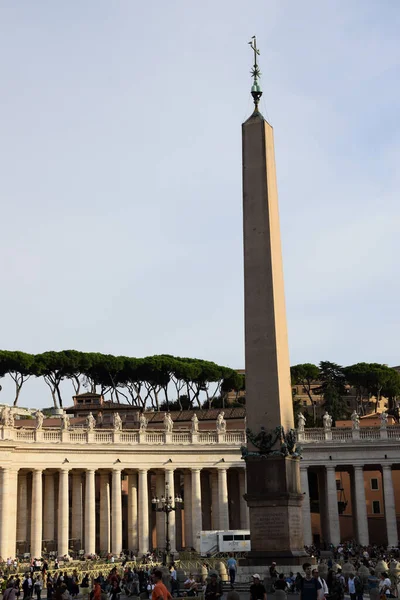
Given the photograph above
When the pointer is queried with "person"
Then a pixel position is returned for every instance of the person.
(27, 586)
(37, 587)
(115, 590)
(190, 586)
(385, 585)
(85, 585)
(315, 574)
(359, 587)
(159, 592)
(232, 568)
(310, 588)
(280, 583)
(257, 589)
(214, 588)
(10, 591)
(351, 586)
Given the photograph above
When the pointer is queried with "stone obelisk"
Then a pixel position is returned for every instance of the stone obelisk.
(273, 474)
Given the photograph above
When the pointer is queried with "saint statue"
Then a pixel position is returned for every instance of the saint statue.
(90, 422)
(221, 423)
(384, 419)
(355, 420)
(301, 421)
(117, 422)
(168, 423)
(39, 420)
(142, 422)
(327, 421)
(195, 423)
(65, 422)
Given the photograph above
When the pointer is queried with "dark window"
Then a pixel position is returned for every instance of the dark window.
(247, 536)
(374, 483)
(238, 538)
(227, 538)
(376, 507)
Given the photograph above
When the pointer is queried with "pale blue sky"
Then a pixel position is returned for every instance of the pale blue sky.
(121, 175)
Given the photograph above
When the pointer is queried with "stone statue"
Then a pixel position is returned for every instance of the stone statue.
(117, 422)
(168, 423)
(90, 422)
(301, 421)
(65, 422)
(39, 420)
(327, 421)
(384, 419)
(355, 420)
(195, 423)
(8, 417)
(221, 423)
(142, 422)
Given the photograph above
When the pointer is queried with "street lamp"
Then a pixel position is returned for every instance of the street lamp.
(167, 504)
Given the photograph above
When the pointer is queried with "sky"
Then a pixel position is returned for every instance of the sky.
(120, 176)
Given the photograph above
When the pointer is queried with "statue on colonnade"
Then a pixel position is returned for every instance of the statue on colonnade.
(117, 422)
(221, 423)
(90, 422)
(384, 419)
(355, 420)
(142, 422)
(195, 423)
(39, 420)
(65, 423)
(301, 421)
(168, 423)
(327, 421)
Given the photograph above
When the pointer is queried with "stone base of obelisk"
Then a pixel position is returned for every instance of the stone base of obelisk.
(274, 499)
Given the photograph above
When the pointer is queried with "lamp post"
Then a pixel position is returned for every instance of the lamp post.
(167, 504)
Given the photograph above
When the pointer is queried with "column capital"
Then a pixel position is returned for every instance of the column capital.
(37, 471)
(303, 467)
(387, 467)
(142, 471)
(358, 467)
(88, 470)
(330, 467)
(195, 469)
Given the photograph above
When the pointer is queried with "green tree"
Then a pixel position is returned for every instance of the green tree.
(19, 365)
(306, 375)
(333, 388)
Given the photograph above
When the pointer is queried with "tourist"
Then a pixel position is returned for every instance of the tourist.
(324, 585)
(10, 591)
(115, 591)
(257, 589)
(232, 568)
(280, 583)
(214, 588)
(159, 592)
(84, 587)
(27, 587)
(190, 586)
(385, 586)
(351, 586)
(37, 587)
(310, 587)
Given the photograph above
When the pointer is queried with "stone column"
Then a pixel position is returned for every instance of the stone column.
(116, 512)
(178, 517)
(223, 508)
(169, 479)
(76, 514)
(49, 507)
(132, 512)
(105, 513)
(36, 514)
(22, 511)
(214, 500)
(390, 506)
(196, 508)
(308, 540)
(160, 516)
(143, 513)
(5, 503)
(332, 504)
(90, 512)
(360, 506)
(63, 513)
(187, 496)
(12, 538)
(244, 509)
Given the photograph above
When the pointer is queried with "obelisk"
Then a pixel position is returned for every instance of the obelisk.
(273, 474)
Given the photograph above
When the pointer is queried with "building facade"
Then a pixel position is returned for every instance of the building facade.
(91, 489)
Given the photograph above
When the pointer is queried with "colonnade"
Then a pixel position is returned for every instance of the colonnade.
(107, 510)
(328, 503)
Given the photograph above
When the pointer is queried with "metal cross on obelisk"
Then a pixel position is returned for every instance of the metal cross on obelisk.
(256, 91)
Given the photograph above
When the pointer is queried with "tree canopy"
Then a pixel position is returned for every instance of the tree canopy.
(140, 382)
